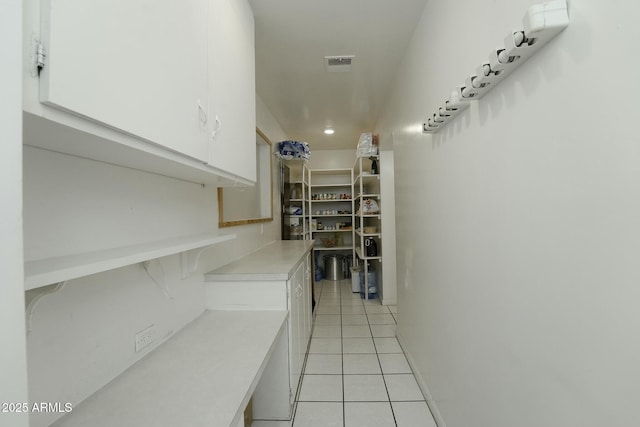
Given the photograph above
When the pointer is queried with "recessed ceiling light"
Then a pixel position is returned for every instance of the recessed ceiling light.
(329, 131)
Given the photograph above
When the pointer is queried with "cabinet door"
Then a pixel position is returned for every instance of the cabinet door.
(138, 66)
(294, 374)
(308, 318)
(232, 111)
(302, 312)
(295, 316)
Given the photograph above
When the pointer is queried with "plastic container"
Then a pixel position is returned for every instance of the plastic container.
(373, 289)
(355, 279)
(333, 267)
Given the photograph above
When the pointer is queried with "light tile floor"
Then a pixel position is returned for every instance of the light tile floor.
(356, 374)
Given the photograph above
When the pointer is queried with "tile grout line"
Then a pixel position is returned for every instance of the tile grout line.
(313, 315)
(344, 415)
(386, 389)
(340, 295)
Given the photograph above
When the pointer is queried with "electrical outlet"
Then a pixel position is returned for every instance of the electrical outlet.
(145, 337)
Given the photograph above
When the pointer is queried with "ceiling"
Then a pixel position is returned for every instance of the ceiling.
(292, 39)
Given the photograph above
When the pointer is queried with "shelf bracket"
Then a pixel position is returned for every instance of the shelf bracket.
(190, 260)
(33, 296)
(154, 270)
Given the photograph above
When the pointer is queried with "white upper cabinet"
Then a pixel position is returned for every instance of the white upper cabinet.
(139, 66)
(232, 88)
(162, 86)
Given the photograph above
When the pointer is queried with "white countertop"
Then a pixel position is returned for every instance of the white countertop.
(276, 261)
(202, 376)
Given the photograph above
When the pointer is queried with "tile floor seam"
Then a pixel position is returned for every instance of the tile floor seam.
(336, 292)
(344, 416)
(386, 389)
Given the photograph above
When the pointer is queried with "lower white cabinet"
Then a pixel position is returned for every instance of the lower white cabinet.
(300, 324)
(276, 277)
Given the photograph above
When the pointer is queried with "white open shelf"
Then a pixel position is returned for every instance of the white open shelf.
(357, 164)
(369, 215)
(360, 233)
(335, 248)
(43, 272)
(366, 175)
(330, 185)
(340, 171)
(361, 256)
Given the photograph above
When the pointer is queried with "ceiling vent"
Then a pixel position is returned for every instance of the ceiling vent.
(338, 64)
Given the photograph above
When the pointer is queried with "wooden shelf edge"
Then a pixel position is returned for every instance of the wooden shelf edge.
(39, 273)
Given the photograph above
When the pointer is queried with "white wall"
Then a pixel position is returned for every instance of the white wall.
(332, 159)
(83, 336)
(388, 292)
(13, 367)
(517, 225)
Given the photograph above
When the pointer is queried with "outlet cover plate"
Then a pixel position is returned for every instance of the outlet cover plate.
(145, 337)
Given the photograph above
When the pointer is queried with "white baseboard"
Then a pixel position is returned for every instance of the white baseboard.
(260, 423)
(422, 384)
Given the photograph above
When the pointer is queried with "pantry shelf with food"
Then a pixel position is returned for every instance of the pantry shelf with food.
(367, 222)
(331, 207)
(295, 200)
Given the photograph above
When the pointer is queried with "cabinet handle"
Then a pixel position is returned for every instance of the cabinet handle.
(218, 127)
(202, 114)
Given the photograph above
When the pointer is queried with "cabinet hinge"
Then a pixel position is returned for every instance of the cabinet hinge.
(37, 56)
